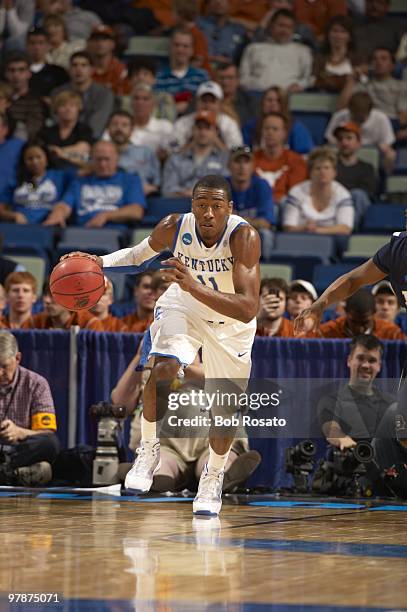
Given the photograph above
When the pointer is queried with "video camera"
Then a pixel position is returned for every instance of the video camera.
(110, 446)
(300, 463)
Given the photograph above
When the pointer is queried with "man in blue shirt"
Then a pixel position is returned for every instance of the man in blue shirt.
(10, 149)
(134, 159)
(107, 196)
(180, 78)
(252, 196)
(226, 39)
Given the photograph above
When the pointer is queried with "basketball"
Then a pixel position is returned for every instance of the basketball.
(77, 283)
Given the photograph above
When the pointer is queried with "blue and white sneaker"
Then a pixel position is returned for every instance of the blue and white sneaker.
(140, 477)
(208, 500)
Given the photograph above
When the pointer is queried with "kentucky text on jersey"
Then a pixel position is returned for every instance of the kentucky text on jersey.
(209, 265)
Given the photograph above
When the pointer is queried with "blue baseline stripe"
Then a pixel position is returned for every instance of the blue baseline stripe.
(299, 504)
(311, 547)
(127, 605)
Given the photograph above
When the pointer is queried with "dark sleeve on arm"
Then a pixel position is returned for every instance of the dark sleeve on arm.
(382, 259)
(327, 412)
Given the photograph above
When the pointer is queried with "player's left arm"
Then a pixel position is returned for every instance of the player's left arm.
(241, 305)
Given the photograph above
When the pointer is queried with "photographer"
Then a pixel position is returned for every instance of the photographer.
(28, 444)
(273, 303)
(356, 410)
(390, 446)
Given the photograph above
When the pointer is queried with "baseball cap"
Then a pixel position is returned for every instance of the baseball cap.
(383, 286)
(102, 31)
(210, 87)
(349, 126)
(206, 116)
(241, 151)
(303, 285)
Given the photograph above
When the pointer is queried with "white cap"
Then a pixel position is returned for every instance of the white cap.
(306, 285)
(210, 87)
(384, 284)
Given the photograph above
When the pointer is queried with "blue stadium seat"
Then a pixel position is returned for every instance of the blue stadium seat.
(302, 265)
(27, 239)
(381, 218)
(314, 110)
(157, 208)
(287, 243)
(99, 241)
(323, 275)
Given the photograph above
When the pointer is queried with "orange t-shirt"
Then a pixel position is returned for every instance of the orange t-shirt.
(201, 48)
(317, 13)
(382, 329)
(114, 324)
(83, 318)
(115, 77)
(135, 324)
(162, 10)
(249, 10)
(281, 173)
(5, 323)
(286, 330)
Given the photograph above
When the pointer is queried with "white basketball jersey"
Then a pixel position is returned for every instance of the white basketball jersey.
(211, 266)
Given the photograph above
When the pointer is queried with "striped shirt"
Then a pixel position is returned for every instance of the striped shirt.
(190, 81)
(298, 209)
(27, 401)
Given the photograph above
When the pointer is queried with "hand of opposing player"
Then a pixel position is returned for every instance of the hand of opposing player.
(177, 272)
(309, 319)
(95, 258)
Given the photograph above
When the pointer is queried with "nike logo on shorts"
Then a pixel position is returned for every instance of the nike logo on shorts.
(241, 354)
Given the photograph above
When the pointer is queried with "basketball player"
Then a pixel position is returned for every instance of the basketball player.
(211, 305)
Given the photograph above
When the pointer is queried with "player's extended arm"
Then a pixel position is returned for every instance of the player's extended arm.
(241, 305)
(344, 286)
(161, 238)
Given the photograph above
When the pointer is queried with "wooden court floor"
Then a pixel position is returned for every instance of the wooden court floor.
(99, 551)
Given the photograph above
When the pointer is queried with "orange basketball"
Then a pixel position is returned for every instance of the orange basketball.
(77, 283)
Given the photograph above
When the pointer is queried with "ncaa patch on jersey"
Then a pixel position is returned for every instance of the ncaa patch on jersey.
(186, 238)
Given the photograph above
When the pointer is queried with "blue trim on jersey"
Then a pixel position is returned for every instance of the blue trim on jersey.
(170, 357)
(145, 350)
(223, 233)
(238, 225)
(179, 223)
(197, 234)
(132, 269)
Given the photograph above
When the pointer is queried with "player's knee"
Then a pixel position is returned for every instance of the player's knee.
(165, 370)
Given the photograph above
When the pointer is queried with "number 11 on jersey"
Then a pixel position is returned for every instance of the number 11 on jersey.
(211, 279)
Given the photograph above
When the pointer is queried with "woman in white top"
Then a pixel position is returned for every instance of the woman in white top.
(320, 205)
(333, 66)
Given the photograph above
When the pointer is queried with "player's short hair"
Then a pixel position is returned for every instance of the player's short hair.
(274, 283)
(213, 181)
(184, 31)
(387, 50)
(8, 345)
(36, 32)
(282, 116)
(19, 278)
(367, 341)
(361, 302)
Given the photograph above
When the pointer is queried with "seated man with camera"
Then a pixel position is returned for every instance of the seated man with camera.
(28, 444)
(354, 412)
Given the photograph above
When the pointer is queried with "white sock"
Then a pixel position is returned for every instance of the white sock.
(148, 430)
(217, 462)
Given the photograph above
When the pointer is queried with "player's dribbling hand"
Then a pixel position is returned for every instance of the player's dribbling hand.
(95, 258)
(177, 272)
(309, 319)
